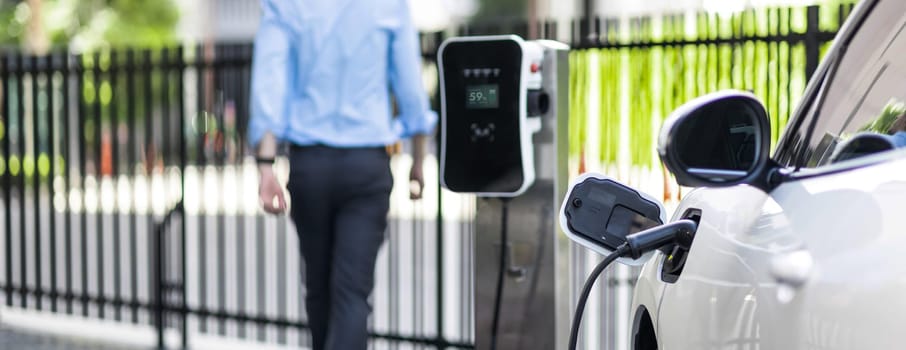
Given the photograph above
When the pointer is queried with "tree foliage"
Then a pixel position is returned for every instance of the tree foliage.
(89, 24)
(489, 10)
(11, 28)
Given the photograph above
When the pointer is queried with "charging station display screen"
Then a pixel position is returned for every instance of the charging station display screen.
(482, 142)
(482, 96)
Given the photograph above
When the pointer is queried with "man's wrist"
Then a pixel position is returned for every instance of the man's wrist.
(265, 168)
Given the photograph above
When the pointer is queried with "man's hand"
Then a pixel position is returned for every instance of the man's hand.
(416, 177)
(270, 193)
(416, 181)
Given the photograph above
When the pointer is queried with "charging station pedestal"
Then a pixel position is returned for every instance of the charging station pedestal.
(535, 304)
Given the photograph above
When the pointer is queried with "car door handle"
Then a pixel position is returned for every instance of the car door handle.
(792, 269)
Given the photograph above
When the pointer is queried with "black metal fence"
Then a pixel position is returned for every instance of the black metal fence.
(128, 194)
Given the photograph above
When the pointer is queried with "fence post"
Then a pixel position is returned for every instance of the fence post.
(22, 65)
(584, 32)
(588, 15)
(157, 283)
(812, 43)
(36, 68)
(5, 60)
(158, 267)
(183, 311)
(66, 154)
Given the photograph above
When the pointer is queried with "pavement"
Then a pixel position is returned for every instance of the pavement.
(14, 339)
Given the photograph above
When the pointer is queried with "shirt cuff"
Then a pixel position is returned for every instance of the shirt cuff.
(407, 126)
(257, 130)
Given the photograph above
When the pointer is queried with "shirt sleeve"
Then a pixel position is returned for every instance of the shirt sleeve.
(416, 116)
(270, 75)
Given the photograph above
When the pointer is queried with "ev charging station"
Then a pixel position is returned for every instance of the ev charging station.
(504, 128)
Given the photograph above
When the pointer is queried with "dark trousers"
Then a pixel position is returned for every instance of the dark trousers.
(340, 199)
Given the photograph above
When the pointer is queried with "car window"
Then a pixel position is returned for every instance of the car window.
(864, 102)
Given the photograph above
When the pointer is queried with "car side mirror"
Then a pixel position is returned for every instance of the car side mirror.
(598, 212)
(720, 139)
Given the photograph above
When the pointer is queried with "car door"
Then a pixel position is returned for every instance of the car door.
(719, 300)
(814, 263)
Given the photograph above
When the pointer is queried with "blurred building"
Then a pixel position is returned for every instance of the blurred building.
(647, 7)
(237, 20)
(219, 20)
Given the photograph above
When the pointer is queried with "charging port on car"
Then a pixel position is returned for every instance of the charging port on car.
(676, 254)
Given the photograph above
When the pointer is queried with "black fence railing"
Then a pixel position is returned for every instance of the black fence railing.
(128, 193)
(128, 196)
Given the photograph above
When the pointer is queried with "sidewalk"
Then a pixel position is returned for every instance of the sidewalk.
(14, 339)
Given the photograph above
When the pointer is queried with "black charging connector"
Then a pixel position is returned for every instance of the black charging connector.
(678, 233)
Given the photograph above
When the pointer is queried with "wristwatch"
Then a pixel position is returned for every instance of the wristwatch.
(264, 160)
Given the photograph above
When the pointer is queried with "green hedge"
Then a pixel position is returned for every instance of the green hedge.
(639, 75)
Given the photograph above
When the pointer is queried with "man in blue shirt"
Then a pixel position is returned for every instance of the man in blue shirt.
(321, 79)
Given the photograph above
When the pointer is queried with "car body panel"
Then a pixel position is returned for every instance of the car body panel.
(648, 290)
(852, 224)
(812, 263)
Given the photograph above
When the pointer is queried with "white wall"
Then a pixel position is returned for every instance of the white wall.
(433, 15)
(568, 9)
(238, 19)
(228, 20)
(622, 7)
(191, 19)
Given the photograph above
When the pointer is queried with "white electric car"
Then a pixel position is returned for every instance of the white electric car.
(800, 249)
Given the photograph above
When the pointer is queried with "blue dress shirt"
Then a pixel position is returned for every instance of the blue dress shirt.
(322, 72)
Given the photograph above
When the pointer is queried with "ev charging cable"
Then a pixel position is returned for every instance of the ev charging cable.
(504, 243)
(679, 233)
